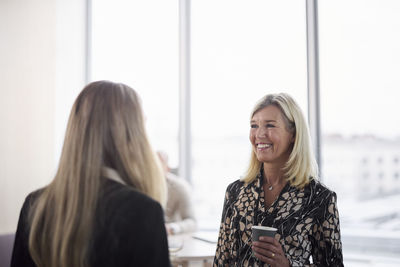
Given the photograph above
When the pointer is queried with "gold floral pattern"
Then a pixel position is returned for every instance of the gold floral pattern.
(307, 221)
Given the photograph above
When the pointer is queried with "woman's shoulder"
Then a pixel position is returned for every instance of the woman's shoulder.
(318, 193)
(32, 197)
(235, 186)
(119, 193)
(120, 205)
(319, 187)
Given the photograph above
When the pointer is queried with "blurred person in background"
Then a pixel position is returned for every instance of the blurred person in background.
(103, 207)
(280, 189)
(179, 213)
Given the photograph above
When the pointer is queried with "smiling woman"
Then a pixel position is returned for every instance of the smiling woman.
(280, 190)
(270, 136)
(283, 109)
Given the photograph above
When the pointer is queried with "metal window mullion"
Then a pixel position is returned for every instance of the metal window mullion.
(184, 91)
(88, 41)
(313, 77)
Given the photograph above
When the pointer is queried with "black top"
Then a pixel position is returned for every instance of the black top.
(128, 230)
(307, 221)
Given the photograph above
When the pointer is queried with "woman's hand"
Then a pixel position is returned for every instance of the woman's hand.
(269, 250)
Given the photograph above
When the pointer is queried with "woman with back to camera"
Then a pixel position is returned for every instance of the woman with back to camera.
(280, 189)
(103, 206)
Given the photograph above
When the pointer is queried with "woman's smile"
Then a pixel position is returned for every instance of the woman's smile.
(269, 136)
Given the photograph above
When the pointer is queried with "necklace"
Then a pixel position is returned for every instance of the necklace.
(271, 186)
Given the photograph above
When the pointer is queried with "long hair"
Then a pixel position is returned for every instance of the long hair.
(105, 129)
(301, 165)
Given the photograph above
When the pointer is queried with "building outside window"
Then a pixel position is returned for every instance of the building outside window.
(359, 62)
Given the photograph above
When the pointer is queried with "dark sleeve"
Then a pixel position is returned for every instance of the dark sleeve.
(223, 256)
(20, 254)
(327, 246)
(140, 233)
(153, 246)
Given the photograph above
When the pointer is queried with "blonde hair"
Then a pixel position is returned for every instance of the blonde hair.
(105, 129)
(301, 165)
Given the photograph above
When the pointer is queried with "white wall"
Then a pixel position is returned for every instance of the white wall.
(41, 72)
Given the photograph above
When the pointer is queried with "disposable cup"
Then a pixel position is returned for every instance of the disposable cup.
(258, 230)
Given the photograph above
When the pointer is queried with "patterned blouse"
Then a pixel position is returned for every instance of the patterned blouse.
(307, 221)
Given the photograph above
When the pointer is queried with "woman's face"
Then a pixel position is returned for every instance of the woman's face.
(271, 141)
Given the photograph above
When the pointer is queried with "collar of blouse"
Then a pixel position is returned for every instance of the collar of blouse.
(112, 174)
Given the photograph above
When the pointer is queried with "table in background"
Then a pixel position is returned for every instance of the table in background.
(197, 248)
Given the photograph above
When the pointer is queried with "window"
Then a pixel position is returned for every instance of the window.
(241, 51)
(359, 66)
(135, 43)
